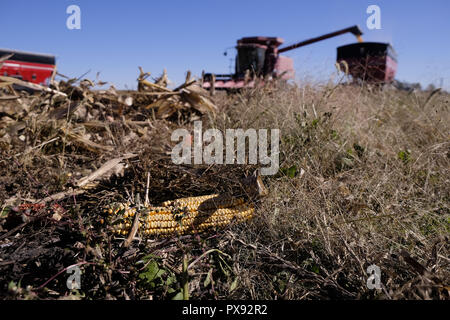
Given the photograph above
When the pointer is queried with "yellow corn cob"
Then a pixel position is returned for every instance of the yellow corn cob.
(213, 201)
(181, 216)
(189, 200)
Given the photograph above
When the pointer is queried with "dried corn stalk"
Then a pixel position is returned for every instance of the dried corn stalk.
(186, 99)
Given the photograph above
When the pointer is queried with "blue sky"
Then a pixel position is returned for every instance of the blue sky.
(118, 36)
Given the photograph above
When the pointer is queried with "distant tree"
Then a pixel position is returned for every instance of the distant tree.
(403, 85)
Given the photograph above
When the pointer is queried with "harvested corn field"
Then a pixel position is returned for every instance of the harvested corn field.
(87, 180)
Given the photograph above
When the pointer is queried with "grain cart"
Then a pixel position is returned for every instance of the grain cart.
(370, 62)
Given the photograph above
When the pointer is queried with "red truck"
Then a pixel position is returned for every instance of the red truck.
(27, 66)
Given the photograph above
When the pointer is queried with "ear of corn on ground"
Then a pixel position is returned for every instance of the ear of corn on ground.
(180, 216)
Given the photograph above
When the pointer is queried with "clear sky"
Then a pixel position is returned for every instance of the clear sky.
(118, 36)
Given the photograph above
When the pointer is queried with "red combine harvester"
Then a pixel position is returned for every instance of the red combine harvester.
(260, 57)
(371, 62)
(27, 66)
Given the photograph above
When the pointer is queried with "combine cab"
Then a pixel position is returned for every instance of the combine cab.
(256, 57)
(27, 66)
(371, 62)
